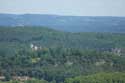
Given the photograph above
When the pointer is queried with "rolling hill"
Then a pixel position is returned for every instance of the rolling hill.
(43, 53)
(66, 23)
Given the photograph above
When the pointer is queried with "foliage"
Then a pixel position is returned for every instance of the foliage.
(59, 55)
(99, 78)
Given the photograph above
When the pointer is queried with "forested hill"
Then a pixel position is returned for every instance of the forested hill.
(66, 23)
(52, 56)
(51, 38)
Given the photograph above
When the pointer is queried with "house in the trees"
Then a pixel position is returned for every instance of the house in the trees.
(117, 51)
(35, 47)
(2, 78)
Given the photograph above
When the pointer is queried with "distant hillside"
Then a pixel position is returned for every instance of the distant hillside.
(52, 38)
(66, 23)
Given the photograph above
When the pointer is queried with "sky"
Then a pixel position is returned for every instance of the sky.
(64, 7)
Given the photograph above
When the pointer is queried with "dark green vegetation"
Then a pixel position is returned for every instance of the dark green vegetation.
(99, 78)
(95, 78)
(57, 57)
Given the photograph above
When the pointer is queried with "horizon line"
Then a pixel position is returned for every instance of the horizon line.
(62, 15)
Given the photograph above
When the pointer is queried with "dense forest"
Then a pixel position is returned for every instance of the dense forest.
(49, 56)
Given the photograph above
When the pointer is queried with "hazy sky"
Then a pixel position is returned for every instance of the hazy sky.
(65, 7)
